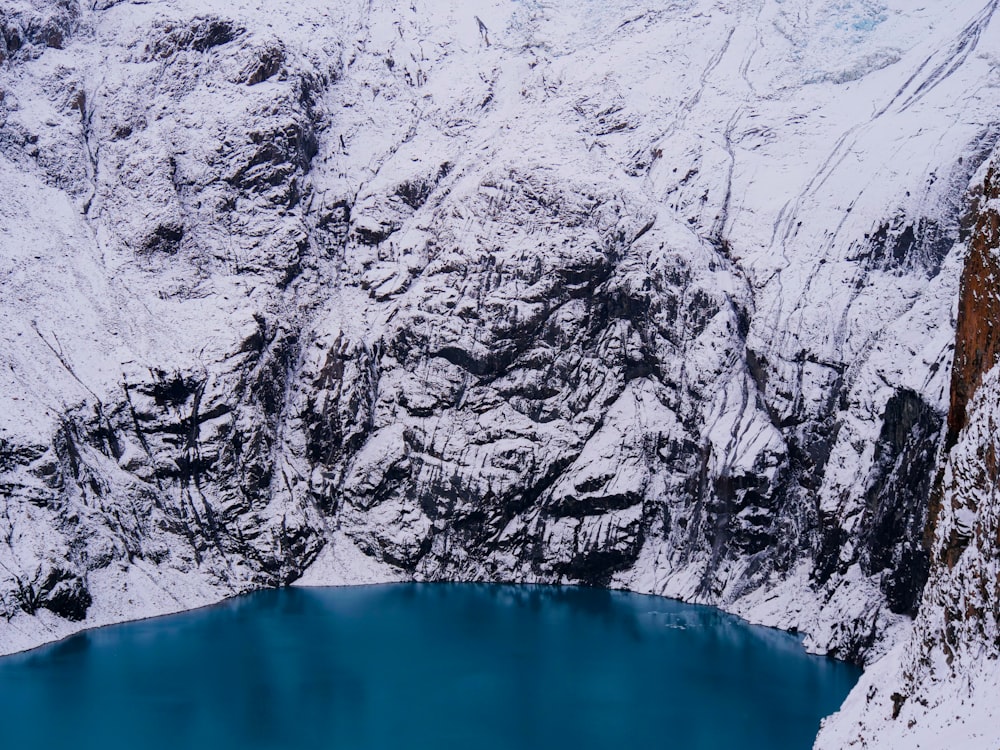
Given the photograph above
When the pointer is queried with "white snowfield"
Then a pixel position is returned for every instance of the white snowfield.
(653, 295)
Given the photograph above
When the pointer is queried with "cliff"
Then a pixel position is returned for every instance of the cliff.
(654, 298)
(977, 335)
(938, 688)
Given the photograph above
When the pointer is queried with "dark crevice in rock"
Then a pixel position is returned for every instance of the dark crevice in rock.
(890, 534)
(906, 245)
(166, 238)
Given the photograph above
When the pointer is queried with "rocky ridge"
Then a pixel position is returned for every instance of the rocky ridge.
(936, 688)
(656, 298)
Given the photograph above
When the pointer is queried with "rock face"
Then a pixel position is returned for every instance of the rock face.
(938, 687)
(657, 298)
(977, 336)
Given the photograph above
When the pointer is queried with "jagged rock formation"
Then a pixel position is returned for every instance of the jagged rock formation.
(658, 298)
(977, 337)
(938, 687)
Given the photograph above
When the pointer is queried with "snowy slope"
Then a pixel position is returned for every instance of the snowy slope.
(649, 295)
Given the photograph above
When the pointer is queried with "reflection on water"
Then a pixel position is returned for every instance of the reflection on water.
(422, 666)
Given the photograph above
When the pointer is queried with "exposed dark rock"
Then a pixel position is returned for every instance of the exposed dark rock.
(65, 595)
(891, 528)
(905, 244)
(275, 156)
(27, 31)
(200, 34)
(266, 62)
(373, 236)
(58, 591)
(166, 238)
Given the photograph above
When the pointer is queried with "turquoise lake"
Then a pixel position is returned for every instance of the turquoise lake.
(413, 666)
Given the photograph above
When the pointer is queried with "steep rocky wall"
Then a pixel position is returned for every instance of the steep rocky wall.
(369, 293)
(938, 688)
(977, 335)
(144, 384)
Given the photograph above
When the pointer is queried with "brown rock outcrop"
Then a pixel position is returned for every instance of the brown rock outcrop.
(977, 336)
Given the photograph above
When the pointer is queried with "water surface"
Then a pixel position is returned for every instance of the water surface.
(413, 666)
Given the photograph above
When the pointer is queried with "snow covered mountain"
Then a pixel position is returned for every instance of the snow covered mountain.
(659, 296)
